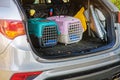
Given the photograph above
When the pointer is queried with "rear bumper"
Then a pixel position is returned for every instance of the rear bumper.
(107, 73)
(104, 73)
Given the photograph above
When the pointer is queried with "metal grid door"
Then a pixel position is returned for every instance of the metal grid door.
(49, 37)
(75, 32)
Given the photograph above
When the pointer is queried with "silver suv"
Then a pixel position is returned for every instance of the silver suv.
(30, 49)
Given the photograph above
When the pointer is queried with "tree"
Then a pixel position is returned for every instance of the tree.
(116, 2)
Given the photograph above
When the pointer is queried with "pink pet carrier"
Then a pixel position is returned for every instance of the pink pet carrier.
(70, 28)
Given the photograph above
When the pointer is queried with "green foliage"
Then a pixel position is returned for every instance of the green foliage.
(116, 2)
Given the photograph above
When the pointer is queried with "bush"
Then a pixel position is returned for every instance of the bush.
(116, 2)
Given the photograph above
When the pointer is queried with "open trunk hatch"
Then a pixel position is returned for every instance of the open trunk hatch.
(68, 28)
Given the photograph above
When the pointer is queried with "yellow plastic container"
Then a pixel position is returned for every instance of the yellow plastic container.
(82, 18)
(32, 12)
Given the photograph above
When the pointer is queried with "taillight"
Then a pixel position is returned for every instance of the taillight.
(119, 17)
(12, 28)
(25, 76)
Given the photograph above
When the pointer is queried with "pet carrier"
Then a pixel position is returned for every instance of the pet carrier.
(45, 30)
(71, 29)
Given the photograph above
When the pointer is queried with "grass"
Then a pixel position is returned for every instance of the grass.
(117, 3)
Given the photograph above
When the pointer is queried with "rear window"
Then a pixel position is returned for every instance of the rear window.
(4, 3)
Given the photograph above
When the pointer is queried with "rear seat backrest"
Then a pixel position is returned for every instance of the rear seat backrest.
(24, 2)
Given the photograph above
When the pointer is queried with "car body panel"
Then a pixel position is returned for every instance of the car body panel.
(17, 56)
(9, 12)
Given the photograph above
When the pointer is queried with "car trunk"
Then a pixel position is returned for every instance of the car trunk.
(90, 43)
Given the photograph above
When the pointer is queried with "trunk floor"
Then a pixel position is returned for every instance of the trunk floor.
(85, 45)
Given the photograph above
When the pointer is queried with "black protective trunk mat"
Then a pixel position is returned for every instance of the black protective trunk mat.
(61, 50)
